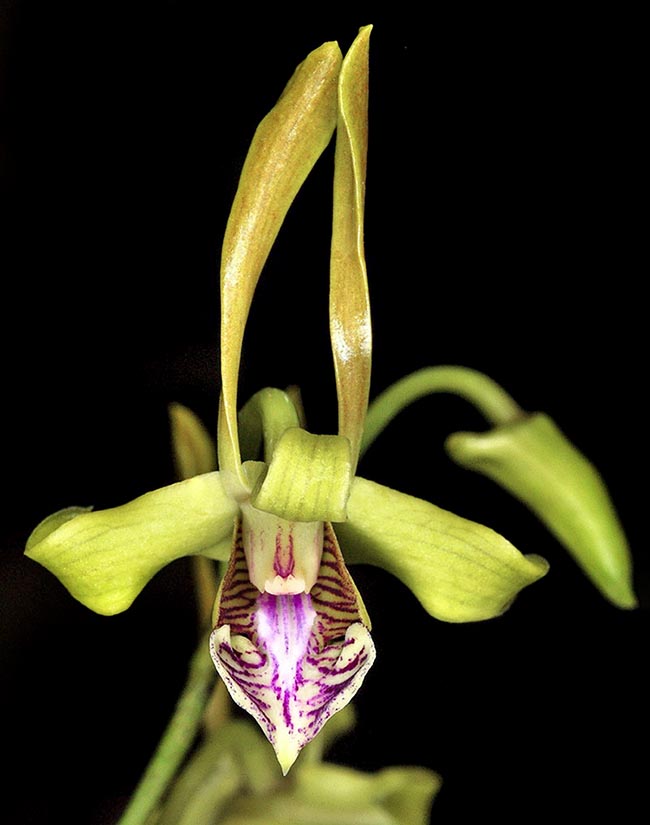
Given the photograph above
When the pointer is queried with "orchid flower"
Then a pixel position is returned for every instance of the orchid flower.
(286, 509)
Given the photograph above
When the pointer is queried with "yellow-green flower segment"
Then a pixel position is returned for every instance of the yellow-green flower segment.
(291, 636)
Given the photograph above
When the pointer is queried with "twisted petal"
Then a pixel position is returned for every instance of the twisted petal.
(292, 660)
(105, 558)
(459, 570)
(286, 145)
(350, 327)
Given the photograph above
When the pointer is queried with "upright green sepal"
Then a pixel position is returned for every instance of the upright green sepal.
(533, 460)
(460, 571)
(105, 557)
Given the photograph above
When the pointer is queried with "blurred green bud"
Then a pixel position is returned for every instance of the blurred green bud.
(533, 460)
(396, 795)
(193, 446)
(232, 779)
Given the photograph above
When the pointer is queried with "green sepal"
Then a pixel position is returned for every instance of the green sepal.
(52, 523)
(105, 557)
(459, 570)
(308, 478)
(534, 461)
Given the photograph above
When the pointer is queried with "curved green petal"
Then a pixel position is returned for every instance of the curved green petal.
(308, 478)
(459, 570)
(350, 328)
(534, 461)
(263, 419)
(105, 558)
(285, 147)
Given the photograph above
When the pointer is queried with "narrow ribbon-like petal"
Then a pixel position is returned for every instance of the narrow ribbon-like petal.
(460, 571)
(292, 660)
(350, 327)
(106, 557)
(285, 147)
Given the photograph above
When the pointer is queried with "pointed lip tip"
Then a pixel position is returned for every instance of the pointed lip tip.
(286, 765)
(286, 757)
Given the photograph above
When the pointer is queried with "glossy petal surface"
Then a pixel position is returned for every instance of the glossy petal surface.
(286, 145)
(350, 325)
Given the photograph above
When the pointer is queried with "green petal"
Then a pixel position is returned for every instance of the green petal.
(534, 461)
(350, 329)
(285, 147)
(308, 478)
(459, 570)
(263, 419)
(105, 558)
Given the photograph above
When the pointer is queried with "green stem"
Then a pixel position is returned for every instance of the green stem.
(176, 740)
(484, 393)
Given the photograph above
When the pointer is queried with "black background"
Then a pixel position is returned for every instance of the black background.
(503, 233)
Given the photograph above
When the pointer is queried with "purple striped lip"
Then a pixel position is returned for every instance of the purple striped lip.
(292, 660)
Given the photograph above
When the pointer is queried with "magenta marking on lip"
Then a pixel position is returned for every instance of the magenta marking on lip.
(299, 668)
(283, 560)
(286, 710)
